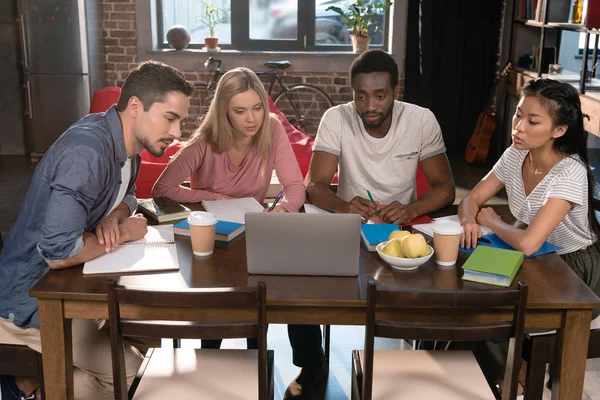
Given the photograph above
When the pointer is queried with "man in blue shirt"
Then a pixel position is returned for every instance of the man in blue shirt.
(80, 205)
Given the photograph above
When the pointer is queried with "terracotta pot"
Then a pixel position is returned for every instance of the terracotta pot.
(360, 44)
(211, 42)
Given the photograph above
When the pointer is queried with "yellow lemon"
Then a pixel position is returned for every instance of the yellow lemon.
(414, 246)
(393, 248)
(398, 234)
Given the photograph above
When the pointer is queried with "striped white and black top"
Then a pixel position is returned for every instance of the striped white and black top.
(566, 180)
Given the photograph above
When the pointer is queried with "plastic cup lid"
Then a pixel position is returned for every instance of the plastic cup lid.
(202, 218)
(447, 228)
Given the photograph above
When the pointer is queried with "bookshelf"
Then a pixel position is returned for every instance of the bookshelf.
(544, 27)
(540, 24)
(536, 29)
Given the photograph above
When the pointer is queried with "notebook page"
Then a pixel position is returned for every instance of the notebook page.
(312, 209)
(156, 234)
(232, 210)
(428, 228)
(154, 252)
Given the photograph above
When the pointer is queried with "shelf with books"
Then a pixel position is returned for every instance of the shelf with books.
(539, 24)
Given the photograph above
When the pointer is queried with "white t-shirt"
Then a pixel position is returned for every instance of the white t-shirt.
(387, 166)
(125, 178)
(566, 180)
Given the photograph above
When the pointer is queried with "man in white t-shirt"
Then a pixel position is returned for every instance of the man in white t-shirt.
(377, 143)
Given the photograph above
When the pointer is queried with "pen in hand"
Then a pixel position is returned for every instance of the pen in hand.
(279, 196)
(373, 201)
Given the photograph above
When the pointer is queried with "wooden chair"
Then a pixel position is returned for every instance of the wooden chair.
(452, 374)
(199, 314)
(16, 359)
(538, 350)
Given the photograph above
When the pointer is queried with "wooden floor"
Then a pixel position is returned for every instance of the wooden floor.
(15, 177)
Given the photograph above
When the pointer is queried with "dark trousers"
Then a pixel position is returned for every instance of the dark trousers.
(305, 340)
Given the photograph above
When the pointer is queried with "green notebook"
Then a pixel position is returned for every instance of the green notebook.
(492, 266)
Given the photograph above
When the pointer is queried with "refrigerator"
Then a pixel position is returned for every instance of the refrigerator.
(63, 64)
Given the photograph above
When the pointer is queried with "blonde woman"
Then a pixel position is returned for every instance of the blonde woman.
(234, 152)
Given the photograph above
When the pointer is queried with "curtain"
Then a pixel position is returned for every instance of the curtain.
(451, 62)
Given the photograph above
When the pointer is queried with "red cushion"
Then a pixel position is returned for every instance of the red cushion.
(151, 168)
(104, 98)
(422, 182)
(147, 177)
(301, 144)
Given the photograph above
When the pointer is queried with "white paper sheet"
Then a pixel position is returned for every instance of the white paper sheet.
(232, 210)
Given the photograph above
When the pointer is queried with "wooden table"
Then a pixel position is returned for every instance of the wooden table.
(558, 299)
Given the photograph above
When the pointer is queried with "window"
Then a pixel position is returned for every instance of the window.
(266, 24)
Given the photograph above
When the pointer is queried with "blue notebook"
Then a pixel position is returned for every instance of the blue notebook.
(494, 241)
(225, 231)
(373, 234)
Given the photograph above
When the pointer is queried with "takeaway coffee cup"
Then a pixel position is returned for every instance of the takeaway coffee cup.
(446, 239)
(202, 228)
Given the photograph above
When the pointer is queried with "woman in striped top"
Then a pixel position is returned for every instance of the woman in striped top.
(550, 186)
(548, 181)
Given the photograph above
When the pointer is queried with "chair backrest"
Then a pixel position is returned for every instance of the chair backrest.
(210, 313)
(385, 301)
(104, 98)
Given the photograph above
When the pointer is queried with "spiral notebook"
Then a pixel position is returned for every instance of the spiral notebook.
(154, 252)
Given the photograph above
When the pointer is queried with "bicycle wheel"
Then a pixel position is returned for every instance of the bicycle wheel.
(304, 105)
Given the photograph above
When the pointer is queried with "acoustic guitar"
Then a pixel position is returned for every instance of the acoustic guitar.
(479, 144)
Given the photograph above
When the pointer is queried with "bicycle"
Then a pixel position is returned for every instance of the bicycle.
(302, 104)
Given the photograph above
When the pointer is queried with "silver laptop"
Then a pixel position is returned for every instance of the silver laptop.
(303, 244)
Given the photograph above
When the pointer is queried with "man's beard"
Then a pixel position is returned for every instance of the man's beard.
(378, 123)
(145, 142)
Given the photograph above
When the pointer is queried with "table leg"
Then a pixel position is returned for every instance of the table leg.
(57, 350)
(571, 355)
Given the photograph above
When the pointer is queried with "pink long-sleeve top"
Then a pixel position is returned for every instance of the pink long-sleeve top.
(213, 175)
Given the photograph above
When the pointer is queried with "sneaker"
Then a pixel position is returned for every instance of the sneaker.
(10, 391)
(309, 384)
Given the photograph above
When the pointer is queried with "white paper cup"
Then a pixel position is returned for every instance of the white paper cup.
(446, 240)
(202, 229)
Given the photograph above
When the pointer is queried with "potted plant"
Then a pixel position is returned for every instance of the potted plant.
(359, 18)
(212, 17)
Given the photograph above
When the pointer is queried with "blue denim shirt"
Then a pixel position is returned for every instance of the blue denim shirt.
(72, 191)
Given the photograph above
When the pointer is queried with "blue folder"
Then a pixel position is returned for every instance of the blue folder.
(494, 241)
(373, 234)
(225, 231)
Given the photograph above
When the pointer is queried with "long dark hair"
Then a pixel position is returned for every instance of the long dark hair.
(561, 100)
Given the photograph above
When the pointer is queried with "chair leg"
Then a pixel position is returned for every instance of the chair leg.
(536, 369)
(139, 374)
(41, 375)
(356, 390)
(270, 362)
(327, 341)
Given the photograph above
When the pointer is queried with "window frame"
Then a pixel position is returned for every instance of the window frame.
(240, 37)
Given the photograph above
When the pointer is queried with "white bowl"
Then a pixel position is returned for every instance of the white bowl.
(403, 264)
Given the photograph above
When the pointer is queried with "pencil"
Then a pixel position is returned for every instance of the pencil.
(372, 201)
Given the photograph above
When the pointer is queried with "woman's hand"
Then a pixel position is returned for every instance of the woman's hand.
(472, 232)
(487, 217)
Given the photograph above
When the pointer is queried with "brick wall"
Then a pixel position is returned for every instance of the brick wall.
(121, 56)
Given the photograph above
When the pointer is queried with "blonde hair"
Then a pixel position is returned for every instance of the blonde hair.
(216, 128)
